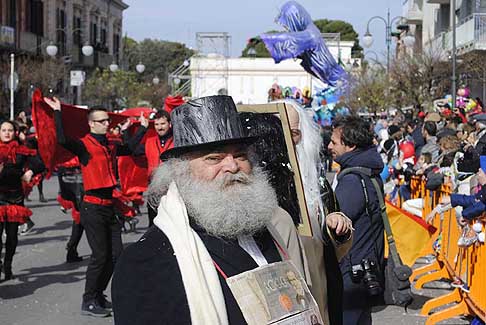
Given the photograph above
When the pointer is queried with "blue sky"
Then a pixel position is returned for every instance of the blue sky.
(179, 20)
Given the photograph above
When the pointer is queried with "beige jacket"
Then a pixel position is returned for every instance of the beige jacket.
(307, 254)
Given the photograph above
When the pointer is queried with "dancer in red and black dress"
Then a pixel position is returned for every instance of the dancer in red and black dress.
(70, 196)
(17, 163)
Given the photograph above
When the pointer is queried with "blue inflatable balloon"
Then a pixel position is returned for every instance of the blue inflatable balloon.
(303, 40)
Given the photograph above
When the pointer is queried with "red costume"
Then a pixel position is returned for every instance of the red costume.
(99, 172)
(153, 150)
(15, 158)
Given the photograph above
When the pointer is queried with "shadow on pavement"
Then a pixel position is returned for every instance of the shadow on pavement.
(418, 301)
(27, 281)
(50, 203)
(61, 225)
(26, 240)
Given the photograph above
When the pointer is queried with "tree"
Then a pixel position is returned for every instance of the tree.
(120, 89)
(368, 90)
(159, 57)
(45, 74)
(346, 30)
(419, 79)
(473, 66)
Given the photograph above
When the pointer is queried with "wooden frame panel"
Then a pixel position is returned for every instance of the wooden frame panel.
(304, 227)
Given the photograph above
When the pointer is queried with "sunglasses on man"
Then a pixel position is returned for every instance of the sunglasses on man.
(106, 120)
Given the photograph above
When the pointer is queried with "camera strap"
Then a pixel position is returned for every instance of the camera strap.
(363, 171)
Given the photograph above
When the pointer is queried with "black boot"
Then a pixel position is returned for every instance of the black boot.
(7, 270)
(42, 198)
(72, 255)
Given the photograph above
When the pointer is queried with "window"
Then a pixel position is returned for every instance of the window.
(103, 35)
(61, 30)
(12, 13)
(116, 46)
(77, 31)
(35, 17)
(93, 33)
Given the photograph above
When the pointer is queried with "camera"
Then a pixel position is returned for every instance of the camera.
(367, 272)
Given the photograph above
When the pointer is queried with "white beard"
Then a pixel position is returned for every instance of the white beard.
(237, 204)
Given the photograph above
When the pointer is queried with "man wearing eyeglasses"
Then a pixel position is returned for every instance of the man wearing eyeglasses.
(97, 157)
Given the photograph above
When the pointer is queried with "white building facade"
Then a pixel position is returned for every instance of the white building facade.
(431, 22)
(248, 80)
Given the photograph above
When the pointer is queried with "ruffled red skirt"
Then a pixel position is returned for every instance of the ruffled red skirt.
(69, 205)
(14, 213)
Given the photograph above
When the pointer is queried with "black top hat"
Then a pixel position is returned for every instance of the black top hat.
(204, 123)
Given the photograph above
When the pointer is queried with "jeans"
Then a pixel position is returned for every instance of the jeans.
(76, 234)
(356, 303)
(104, 238)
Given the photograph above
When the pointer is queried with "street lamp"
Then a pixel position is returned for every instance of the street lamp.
(52, 49)
(156, 80)
(113, 67)
(408, 40)
(367, 39)
(140, 67)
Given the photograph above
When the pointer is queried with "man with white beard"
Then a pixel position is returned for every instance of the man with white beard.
(213, 223)
(328, 243)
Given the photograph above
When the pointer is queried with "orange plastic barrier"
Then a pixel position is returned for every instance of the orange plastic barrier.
(465, 266)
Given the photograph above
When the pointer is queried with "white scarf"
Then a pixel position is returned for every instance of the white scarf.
(199, 276)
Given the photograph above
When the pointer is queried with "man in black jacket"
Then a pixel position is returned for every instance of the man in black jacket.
(352, 146)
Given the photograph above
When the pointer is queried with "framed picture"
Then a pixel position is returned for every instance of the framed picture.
(280, 110)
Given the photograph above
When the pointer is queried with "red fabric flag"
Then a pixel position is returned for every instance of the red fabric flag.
(136, 111)
(75, 123)
(172, 102)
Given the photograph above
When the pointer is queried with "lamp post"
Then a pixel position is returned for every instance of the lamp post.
(453, 83)
(408, 40)
(12, 89)
(52, 48)
(140, 67)
(86, 50)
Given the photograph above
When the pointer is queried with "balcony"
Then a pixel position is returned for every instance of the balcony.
(412, 11)
(470, 36)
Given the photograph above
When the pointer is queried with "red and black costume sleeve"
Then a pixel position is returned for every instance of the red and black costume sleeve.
(16, 159)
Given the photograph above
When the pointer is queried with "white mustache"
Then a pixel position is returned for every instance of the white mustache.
(231, 179)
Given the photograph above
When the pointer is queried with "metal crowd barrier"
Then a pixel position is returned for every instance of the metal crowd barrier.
(463, 266)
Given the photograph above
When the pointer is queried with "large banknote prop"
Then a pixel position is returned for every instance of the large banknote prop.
(274, 294)
(303, 40)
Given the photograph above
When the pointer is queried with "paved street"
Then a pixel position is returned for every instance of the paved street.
(48, 291)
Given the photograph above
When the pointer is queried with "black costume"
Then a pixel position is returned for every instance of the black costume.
(147, 285)
(15, 160)
(97, 212)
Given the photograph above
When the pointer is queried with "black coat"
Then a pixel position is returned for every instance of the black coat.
(147, 286)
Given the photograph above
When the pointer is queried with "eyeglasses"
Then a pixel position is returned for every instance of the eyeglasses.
(106, 120)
